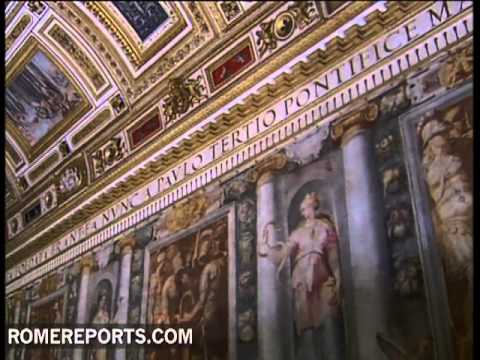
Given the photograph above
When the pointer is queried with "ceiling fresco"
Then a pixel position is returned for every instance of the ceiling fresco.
(144, 16)
(100, 93)
(39, 98)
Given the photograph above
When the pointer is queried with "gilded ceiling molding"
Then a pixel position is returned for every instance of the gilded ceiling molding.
(13, 155)
(217, 16)
(118, 104)
(127, 47)
(71, 179)
(17, 31)
(237, 114)
(108, 155)
(230, 10)
(136, 50)
(282, 27)
(83, 61)
(182, 51)
(16, 6)
(82, 23)
(36, 7)
(43, 167)
(95, 124)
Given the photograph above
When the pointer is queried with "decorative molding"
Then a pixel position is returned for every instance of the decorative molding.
(282, 27)
(265, 170)
(230, 10)
(36, 7)
(127, 244)
(108, 155)
(67, 43)
(253, 101)
(41, 169)
(88, 262)
(92, 125)
(17, 31)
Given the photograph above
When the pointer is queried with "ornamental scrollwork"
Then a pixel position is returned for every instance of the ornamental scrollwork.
(183, 94)
(108, 156)
(297, 16)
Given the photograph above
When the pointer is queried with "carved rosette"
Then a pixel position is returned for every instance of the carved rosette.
(282, 27)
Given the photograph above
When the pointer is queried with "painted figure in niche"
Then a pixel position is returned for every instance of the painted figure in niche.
(316, 281)
(446, 159)
(101, 316)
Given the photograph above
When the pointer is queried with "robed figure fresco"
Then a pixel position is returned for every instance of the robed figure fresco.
(447, 139)
(315, 279)
(101, 316)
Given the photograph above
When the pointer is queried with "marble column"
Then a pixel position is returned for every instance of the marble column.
(16, 319)
(86, 264)
(369, 257)
(121, 317)
(273, 329)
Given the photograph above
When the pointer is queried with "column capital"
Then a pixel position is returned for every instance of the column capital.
(18, 296)
(345, 128)
(88, 262)
(127, 243)
(265, 169)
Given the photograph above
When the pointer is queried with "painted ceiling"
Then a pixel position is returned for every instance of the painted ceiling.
(94, 89)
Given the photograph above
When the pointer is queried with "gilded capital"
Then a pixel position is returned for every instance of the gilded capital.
(18, 296)
(266, 168)
(344, 129)
(127, 244)
(88, 262)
